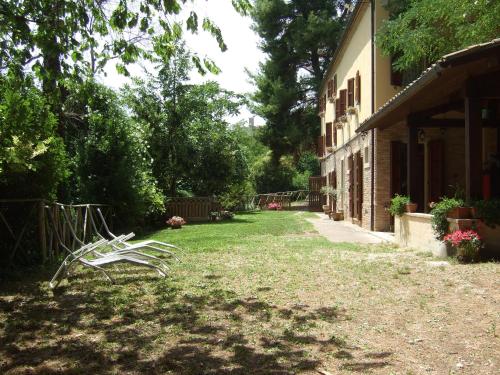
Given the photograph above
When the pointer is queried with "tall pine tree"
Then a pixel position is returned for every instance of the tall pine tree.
(299, 38)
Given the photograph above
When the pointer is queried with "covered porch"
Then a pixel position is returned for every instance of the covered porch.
(440, 136)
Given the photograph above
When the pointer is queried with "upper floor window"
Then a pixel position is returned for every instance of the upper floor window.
(350, 92)
(330, 88)
(343, 102)
(357, 96)
(328, 134)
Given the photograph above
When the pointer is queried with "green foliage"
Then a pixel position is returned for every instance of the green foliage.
(236, 196)
(439, 213)
(190, 140)
(398, 205)
(32, 155)
(299, 38)
(488, 211)
(109, 156)
(421, 31)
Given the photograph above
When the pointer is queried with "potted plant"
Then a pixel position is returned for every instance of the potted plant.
(461, 211)
(440, 212)
(176, 222)
(467, 244)
(328, 191)
(351, 110)
(399, 205)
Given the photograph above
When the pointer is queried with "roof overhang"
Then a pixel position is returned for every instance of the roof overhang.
(441, 83)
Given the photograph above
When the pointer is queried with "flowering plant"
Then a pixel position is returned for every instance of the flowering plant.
(176, 221)
(274, 206)
(467, 243)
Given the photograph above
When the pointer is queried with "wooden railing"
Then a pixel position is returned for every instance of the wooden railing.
(192, 208)
(27, 229)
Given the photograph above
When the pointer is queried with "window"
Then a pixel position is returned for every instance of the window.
(350, 92)
(337, 109)
(335, 85)
(357, 97)
(396, 77)
(328, 134)
(343, 101)
(335, 137)
(330, 88)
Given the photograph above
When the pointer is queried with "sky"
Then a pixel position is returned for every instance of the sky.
(242, 51)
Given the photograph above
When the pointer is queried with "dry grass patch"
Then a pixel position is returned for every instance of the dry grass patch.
(260, 295)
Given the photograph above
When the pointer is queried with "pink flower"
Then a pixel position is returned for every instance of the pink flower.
(463, 237)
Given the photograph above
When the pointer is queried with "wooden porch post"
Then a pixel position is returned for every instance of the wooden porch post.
(412, 177)
(473, 148)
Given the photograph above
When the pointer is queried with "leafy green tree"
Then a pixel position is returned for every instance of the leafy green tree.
(421, 31)
(109, 156)
(59, 39)
(32, 157)
(191, 145)
(299, 38)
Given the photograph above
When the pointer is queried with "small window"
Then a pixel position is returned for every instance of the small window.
(334, 85)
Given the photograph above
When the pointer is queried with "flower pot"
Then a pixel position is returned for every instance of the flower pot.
(460, 213)
(176, 226)
(411, 207)
(467, 254)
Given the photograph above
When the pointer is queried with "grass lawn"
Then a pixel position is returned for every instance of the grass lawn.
(261, 294)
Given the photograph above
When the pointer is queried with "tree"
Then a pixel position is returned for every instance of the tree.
(57, 38)
(190, 143)
(299, 38)
(421, 31)
(32, 157)
(109, 156)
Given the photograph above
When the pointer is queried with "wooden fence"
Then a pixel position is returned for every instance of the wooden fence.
(316, 198)
(27, 229)
(192, 208)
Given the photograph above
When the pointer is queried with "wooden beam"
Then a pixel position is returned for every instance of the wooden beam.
(427, 122)
(412, 162)
(457, 105)
(473, 149)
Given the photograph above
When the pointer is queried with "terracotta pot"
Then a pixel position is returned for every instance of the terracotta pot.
(411, 207)
(460, 213)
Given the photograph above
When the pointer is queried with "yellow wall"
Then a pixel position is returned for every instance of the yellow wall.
(354, 56)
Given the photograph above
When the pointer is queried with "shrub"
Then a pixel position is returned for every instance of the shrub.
(488, 211)
(398, 205)
(439, 213)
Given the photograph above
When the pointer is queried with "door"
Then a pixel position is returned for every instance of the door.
(359, 187)
(436, 170)
(350, 164)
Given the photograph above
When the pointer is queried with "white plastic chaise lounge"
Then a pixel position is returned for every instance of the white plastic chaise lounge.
(82, 256)
(110, 247)
(148, 244)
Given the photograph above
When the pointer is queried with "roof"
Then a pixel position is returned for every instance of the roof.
(430, 76)
(343, 39)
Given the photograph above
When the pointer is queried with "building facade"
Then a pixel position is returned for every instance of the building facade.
(358, 81)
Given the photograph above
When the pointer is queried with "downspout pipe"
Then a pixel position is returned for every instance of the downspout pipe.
(372, 200)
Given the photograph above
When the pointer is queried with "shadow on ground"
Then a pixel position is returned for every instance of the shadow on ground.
(150, 325)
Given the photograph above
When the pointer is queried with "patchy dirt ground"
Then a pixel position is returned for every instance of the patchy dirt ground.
(272, 302)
